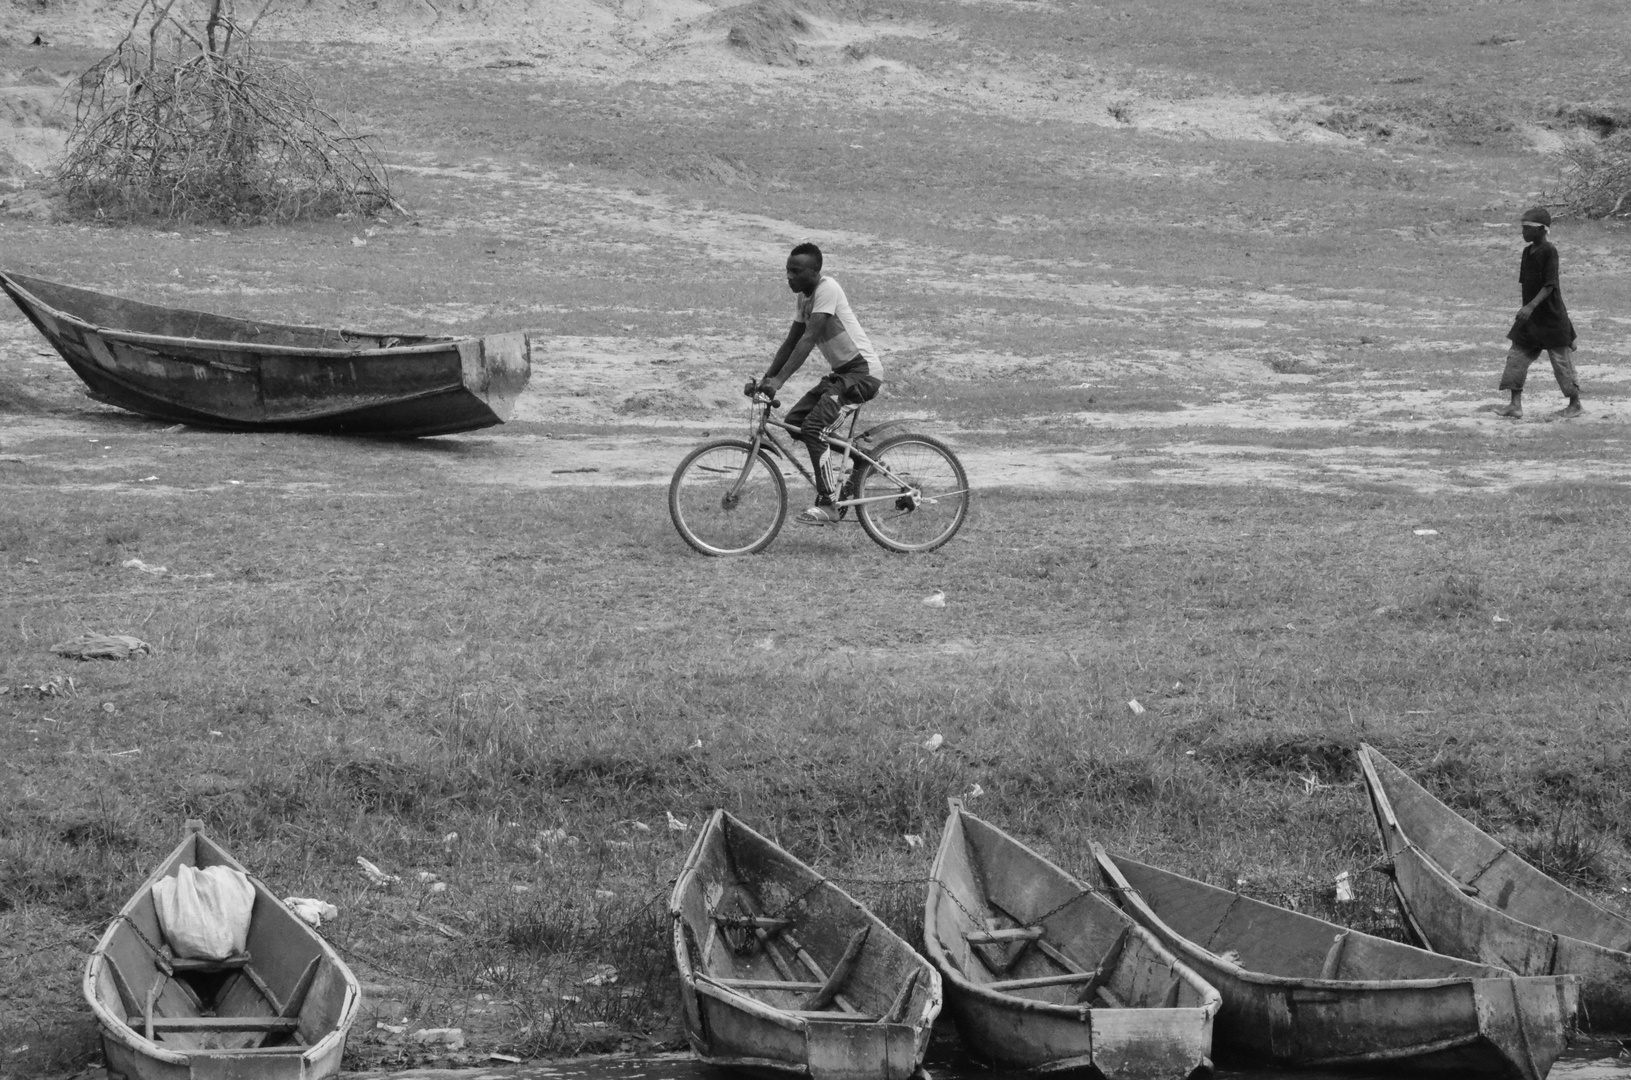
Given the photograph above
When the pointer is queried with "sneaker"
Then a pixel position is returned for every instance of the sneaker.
(820, 514)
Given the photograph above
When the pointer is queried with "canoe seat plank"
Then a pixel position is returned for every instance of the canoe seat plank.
(752, 922)
(231, 963)
(218, 1023)
(1002, 937)
(841, 971)
(765, 984)
(1043, 980)
(1047, 949)
(818, 1014)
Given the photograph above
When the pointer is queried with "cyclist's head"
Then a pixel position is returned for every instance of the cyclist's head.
(804, 268)
(807, 248)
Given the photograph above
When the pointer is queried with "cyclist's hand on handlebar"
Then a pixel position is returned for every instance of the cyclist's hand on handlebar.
(751, 388)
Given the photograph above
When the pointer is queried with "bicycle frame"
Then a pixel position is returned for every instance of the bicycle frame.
(764, 434)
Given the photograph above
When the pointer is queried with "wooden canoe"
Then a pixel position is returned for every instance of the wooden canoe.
(783, 972)
(1299, 992)
(1464, 893)
(1044, 974)
(279, 1012)
(243, 375)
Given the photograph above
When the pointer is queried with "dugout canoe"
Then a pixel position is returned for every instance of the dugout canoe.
(784, 973)
(1300, 992)
(244, 375)
(1044, 974)
(1465, 893)
(280, 1011)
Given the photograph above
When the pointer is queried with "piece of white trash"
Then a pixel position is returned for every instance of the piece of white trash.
(1135, 707)
(934, 742)
(1426, 532)
(936, 599)
(375, 874)
(913, 840)
(1345, 888)
(312, 910)
(675, 823)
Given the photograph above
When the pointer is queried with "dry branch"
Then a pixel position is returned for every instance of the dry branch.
(1596, 176)
(186, 122)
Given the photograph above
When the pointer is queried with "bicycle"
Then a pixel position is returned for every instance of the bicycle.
(908, 490)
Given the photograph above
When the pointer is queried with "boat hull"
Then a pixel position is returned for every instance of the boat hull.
(1465, 894)
(211, 371)
(1162, 1027)
(732, 1012)
(1299, 992)
(288, 960)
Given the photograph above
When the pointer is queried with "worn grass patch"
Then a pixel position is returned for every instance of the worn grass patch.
(550, 675)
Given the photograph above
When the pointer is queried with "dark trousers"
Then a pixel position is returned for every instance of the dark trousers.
(851, 384)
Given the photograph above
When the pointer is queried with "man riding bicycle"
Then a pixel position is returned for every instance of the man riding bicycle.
(822, 317)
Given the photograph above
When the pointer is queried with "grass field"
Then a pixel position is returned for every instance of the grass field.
(1210, 381)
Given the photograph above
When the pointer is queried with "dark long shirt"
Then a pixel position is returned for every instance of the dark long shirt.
(1549, 326)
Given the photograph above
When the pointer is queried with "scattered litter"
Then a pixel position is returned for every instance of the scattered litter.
(124, 753)
(394, 1029)
(934, 742)
(108, 706)
(675, 823)
(452, 1038)
(695, 746)
(102, 647)
(145, 479)
(432, 924)
(1420, 712)
(935, 599)
(173, 428)
(1426, 532)
(235, 483)
(975, 792)
(913, 840)
(602, 977)
(1135, 707)
(1189, 753)
(425, 877)
(511, 1058)
(552, 836)
(1345, 888)
(215, 733)
(765, 643)
(571, 999)
(30, 560)
(450, 839)
(520, 888)
(642, 826)
(1312, 783)
(1502, 619)
(375, 874)
(357, 241)
(137, 564)
(61, 686)
(437, 888)
(313, 911)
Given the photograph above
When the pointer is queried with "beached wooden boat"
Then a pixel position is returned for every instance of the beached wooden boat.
(1464, 893)
(279, 1011)
(1299, 992)
(1044, 974)
(783, 972)
(240, 374)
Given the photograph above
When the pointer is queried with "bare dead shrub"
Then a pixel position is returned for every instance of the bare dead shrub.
(1596, 176)
(184, 121)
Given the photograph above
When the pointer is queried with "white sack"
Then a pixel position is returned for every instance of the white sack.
(205, 913)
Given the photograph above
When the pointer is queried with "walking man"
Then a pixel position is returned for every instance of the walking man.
(1543, 321)
(822, 317)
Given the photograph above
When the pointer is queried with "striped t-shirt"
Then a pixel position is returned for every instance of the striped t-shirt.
(845, 339)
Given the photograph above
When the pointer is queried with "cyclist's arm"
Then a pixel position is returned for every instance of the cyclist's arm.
(801, 339)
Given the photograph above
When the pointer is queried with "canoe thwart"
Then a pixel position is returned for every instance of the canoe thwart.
(1002, 937)
(281, 1024)
(188, 963)
(841, 972)
(762, 984)
(1043, 980)
(752, 922)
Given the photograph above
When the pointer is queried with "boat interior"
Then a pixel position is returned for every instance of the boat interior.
(1015, 924)
(759, 924)
(281, 995)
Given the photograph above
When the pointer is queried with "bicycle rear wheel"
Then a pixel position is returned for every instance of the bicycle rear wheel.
(930, 492)
(725, 502)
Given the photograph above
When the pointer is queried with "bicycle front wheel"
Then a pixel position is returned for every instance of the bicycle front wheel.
(727, 500)
(917, 496)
